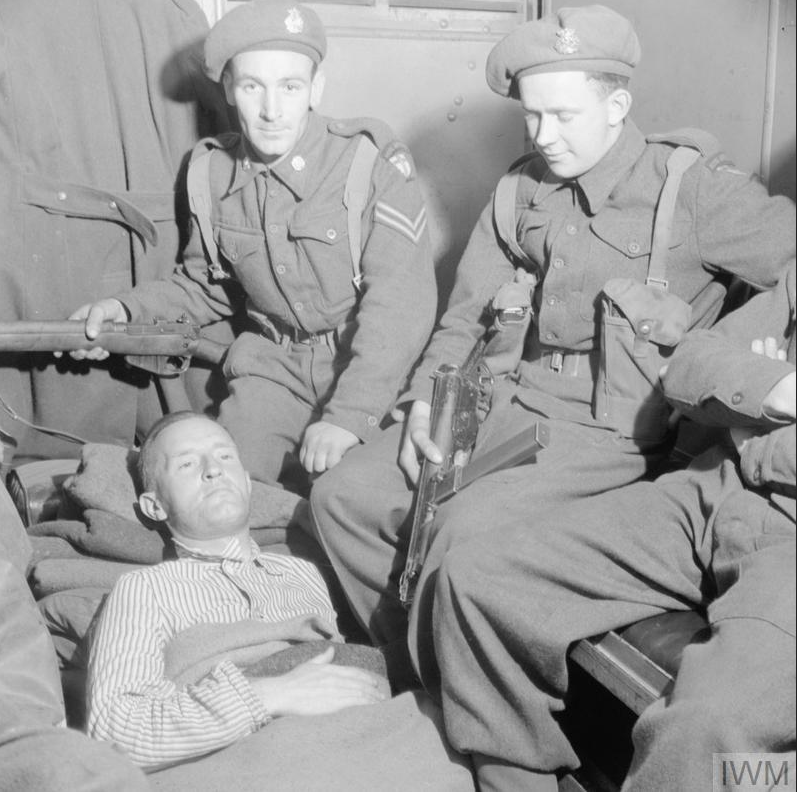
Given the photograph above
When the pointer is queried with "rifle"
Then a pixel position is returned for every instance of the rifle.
(459, 395)
(161, 347)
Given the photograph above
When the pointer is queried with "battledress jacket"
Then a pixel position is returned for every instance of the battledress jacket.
(100, 103)
(710, 379)
(580, 234)
(283, 242)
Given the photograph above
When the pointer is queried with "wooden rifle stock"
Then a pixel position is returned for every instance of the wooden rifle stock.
(163, 348)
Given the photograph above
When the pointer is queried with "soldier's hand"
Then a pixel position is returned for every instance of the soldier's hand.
(416, 442)
(318, 687)
(94, 314)
(324, 445)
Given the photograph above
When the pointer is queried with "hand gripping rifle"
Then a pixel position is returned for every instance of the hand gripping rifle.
(459, 396)
(163, 348)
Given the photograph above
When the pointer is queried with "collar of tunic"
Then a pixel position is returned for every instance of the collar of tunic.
(298, 169)
(598, 182)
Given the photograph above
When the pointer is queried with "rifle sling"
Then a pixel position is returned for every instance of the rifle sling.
(514, 451)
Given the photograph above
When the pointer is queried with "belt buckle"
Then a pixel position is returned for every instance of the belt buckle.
(557, 362)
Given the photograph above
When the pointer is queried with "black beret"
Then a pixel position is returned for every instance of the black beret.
(587, 38)
(264, 24)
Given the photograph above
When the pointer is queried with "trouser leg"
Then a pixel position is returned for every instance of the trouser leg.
(733, 694)
(267, 422)
(275, 392)
(361, 508)
(360, 513)
(508, 606)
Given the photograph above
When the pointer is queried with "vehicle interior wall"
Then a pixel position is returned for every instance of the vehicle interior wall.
(726, 66)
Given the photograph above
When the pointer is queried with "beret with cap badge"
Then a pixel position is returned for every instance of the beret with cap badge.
(264, 25)
(586, 38)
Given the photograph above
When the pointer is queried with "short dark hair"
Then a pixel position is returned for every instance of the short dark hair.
(608, 82)
(146, 460)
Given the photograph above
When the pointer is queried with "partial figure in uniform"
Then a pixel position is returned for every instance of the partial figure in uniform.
(718, 537)
(632, 241)
(102, 102)
(315, 231)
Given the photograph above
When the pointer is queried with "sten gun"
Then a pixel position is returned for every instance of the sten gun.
(160, 347)
(459, 396)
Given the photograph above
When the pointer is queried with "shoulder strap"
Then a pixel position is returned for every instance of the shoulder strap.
(677, 164)
(198, 184)
(504, 211)
(355, 197)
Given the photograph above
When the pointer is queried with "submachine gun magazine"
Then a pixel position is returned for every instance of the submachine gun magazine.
(459, 396)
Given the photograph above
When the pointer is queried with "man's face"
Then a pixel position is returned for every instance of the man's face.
(571, 123)
(272, 91)
(202, 489)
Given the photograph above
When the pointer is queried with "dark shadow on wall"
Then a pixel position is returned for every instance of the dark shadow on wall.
(783, 173)
(459, 163)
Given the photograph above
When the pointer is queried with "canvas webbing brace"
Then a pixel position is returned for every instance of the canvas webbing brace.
(198, 183)
(355, 198)
(677, 164)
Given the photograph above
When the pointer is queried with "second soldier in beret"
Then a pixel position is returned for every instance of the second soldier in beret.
(314, 232)
(631, 240)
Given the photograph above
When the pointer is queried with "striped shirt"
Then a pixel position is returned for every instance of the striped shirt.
(130, 700)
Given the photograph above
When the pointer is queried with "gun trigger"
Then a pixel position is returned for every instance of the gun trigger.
(162, 365)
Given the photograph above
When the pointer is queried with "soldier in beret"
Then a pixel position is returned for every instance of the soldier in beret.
(632, 242)
(313, 232)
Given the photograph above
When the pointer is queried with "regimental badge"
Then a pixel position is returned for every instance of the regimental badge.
(567, 42)
(399, 160)
(298, 163)
(294, 23)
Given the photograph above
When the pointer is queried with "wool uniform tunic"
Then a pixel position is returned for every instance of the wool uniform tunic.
(579, 234)
(718, 536)
(316, 346)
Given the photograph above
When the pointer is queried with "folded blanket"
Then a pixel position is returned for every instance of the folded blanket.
(263, 649)
(68, 615)
(107, 480)
(191, 654)
(52, 547)
(395, 746)
(107, 535)
(59, 574)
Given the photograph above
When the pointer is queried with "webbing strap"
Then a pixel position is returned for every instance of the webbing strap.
(677, 164)
(504, 214)
(198, 184)
(355, 197)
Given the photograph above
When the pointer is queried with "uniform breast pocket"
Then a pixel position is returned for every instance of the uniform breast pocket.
(323, 254)
(241, 250)
(640, 326)
(243, 255)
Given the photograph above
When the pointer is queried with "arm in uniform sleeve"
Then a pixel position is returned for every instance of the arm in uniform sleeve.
(741, 229)
(399, 299)
(714, 377)
(481, 270)
(189, 291)
(133, 704)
